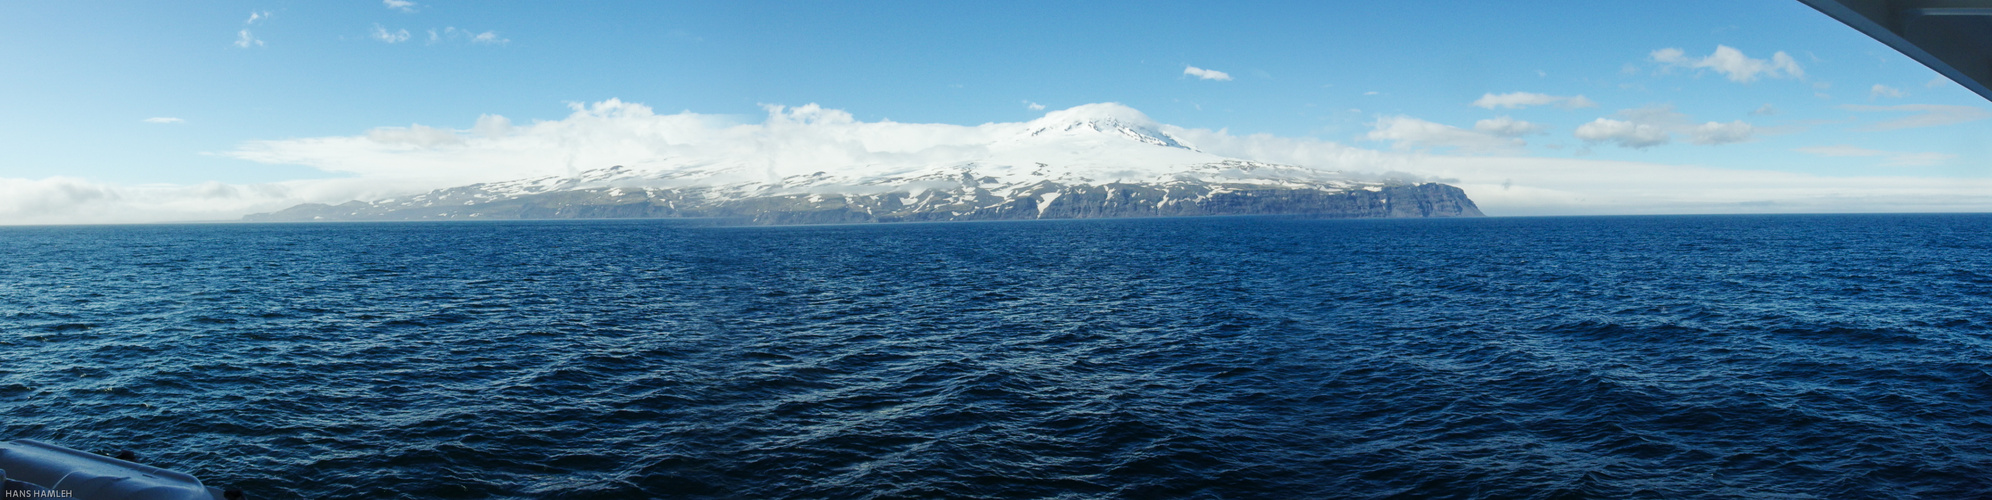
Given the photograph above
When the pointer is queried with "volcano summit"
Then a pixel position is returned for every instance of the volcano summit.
(1091, 161)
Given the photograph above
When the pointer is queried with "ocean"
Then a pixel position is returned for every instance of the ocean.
(1774, 356)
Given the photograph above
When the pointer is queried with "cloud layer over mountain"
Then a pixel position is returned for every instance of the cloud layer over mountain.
(391, 161)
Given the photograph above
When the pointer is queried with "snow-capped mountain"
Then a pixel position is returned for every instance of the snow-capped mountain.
(1097, 160)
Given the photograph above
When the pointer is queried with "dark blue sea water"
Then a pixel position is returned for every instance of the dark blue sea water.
(1833, 356)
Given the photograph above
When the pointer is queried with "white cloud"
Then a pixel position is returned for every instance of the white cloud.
(1713, 133)
(1560, 186)
(382, 34)
(70, 200)
(1407, 133)
(618, 133)
(1623, 133)
(1766, 110)
(1206, 74)
(1650, 126)
(453, 33)
(417, 136)
(1841, 150)
(1939, 81)
(1890, 158)
(394, 161)
(1525, 99)
(1287, 150)
(1523, 185)
(163, 119)
(606, 133)
(1508, 127)
(1033, 106)
(400, 5)
(244, 39)
(55, 198)
(1880, 90)
(492, 126)
(612, 132)
(1733, 64)
(1928, 115)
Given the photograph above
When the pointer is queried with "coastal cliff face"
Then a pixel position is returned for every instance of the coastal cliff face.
(964, 203)
(1093, 161)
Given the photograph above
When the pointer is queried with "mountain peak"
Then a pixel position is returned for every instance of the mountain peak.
(1109, 118)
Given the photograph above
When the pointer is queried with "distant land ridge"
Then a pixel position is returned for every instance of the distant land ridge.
(1094, 161)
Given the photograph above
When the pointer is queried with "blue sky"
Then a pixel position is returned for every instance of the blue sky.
(1749, 86)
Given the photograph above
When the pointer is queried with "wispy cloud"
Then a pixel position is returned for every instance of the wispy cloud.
(1033, 106)
(1625, 133)
(1641, 128)
(1927, 115)
(1713, 133)
(163, 119)
(1766, 110)
(1840, 150)
(1917, 159)
(1880, 90)
(1890, 158)
(1513, 100)
(1528, 98)
(1939, 81)
(382, 34)
(1407, 133)
(246, 39)
(1733, 64)
(1508, 127)
(400, 5)
(1206, 74)
(487, 37)
(462, 35)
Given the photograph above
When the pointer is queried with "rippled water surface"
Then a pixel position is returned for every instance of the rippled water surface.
(1736, 356)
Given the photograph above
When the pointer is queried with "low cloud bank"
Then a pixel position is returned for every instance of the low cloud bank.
(393, 161)
(1560, 186)
(70, 200)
